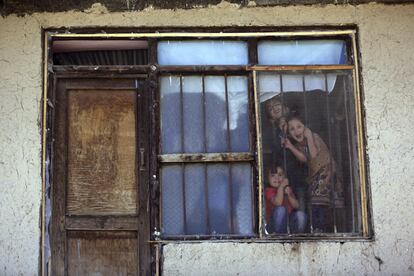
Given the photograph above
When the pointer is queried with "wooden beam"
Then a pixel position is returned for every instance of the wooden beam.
(101, 223)
(301, 67)
(206, 157)
(93, 69)
(316, 33)
(213, 69)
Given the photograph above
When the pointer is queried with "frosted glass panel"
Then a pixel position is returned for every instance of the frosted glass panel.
(170, 115)
(218, 136)
(301, 52)
(193, 114)
(242, 198)
(314, 82)
(238, 115)
(216, 116)
(195, 199)
(227, 203)
(172, 200)
(206, 52)
(219, 198)
(269, 83)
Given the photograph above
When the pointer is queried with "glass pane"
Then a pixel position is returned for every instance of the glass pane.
(216, 114)
(205, 114)
(202, 52)
(213, 204)
(172, 192)
(193, 114)
(242, 198)
(218, 177)
(195, 199)
(320, 164)
(302, 52)
(270, 83)
(171, 136)
(238, 113)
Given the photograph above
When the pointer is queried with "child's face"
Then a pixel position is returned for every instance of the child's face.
(296, 130)
(276, 178)
(275, 110)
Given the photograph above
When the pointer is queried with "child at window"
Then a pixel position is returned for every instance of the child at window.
(274, 128)
(309, 148)
(281, 203)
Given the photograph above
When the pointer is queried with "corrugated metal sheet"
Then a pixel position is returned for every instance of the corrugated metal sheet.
(108, 57)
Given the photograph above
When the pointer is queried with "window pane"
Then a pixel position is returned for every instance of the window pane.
(216, 115)
(193, 114)
(206, 52)
(213, 120)
(242, 198)
(171, 136)
(172, 200)
(218, 177)
(324, 179)
(302, 52)
(270, 83)
(195, 199)
(218, 199)
(238, 118)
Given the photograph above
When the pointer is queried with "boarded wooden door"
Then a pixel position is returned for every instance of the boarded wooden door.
(100, 214)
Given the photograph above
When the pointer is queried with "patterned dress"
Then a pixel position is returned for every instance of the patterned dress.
(319, 172)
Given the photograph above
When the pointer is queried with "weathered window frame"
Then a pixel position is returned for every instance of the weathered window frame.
(153, 71)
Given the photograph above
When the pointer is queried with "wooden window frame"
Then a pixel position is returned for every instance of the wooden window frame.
(218, 157)
(153, 71)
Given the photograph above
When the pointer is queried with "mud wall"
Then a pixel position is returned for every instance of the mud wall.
(386, 41)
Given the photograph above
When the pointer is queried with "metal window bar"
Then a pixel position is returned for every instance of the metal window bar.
(350, 161)
(183, 166)
(252, 148)
(308, 195)
(359, 171)
(284, 149)
(339, 157)
(284, 134)
(205, 150)
(229, 148)
(328, 111)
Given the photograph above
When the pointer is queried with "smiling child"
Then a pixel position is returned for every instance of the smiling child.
(281, 202)
(309, 148)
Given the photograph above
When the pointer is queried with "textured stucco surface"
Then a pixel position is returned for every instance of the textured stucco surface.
(386, 43)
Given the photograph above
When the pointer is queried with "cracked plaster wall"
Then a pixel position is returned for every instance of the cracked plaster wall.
(386, 43)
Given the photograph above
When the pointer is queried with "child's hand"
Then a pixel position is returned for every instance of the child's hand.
(286, 143)
(307, 133)
(282, 124)
(288, 191)
(285, 183)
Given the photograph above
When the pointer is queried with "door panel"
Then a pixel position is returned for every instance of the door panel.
(101, 152)
(102, 253)
(100, 220)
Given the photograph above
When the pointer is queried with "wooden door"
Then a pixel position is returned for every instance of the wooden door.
(100, 214)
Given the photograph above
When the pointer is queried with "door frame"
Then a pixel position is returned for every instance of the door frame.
(143, 163)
